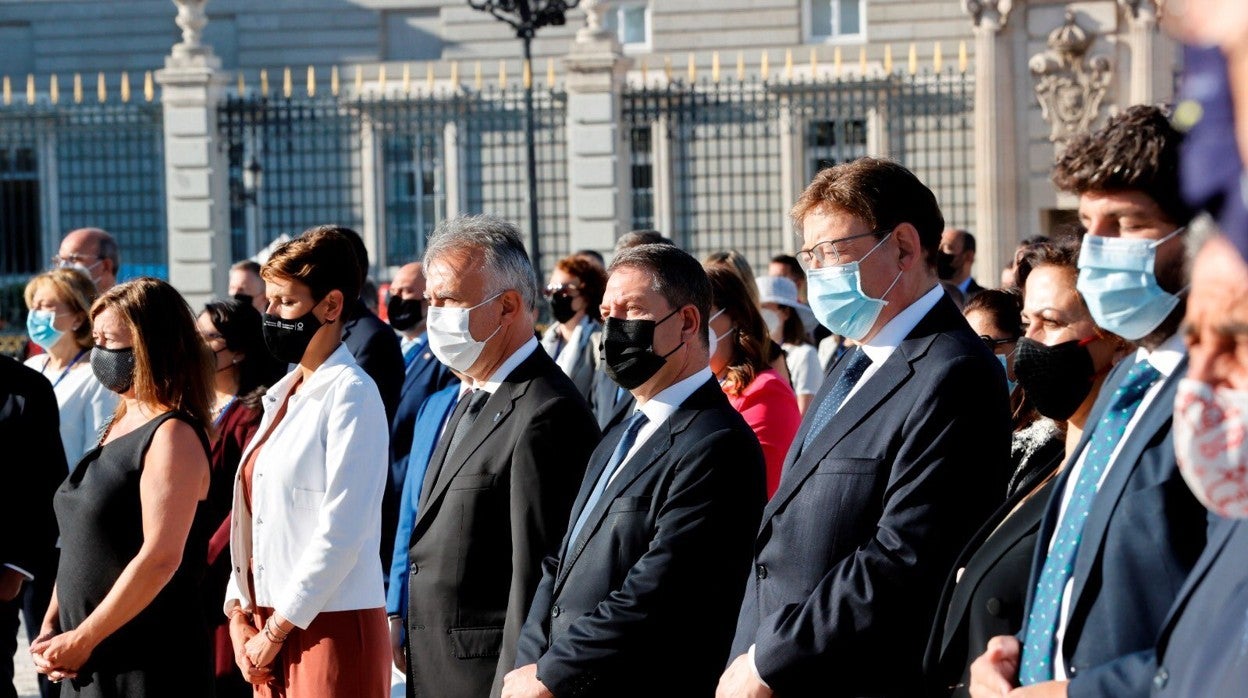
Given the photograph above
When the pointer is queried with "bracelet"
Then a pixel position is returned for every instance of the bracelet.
(237, 611)
(271, 632)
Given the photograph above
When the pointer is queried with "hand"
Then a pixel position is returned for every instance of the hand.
(739, 680)
(59, 656)
(396, 644)
(523, 683)
(10, 583)
(1047, 689)
(994, 672)
(42, 666)
(240, 633)
(260, 650)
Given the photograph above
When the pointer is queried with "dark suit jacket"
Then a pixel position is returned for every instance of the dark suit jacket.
(586, 364)
(29, 416)
(989, 598)
(423, 378)
(661, 556)
(1142, 537)
(375, 347)
(1202, 651)
(488, 517)
(972, 289)
(856, 543)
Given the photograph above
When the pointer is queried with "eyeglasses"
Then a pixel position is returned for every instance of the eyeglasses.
(70, 260)
(826, 251)
(993, 342)
(560, 289)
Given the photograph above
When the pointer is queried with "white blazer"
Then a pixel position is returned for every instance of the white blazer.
(314, 527)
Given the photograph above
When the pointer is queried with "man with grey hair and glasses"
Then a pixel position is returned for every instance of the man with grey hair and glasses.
(93, 252)
(502, 478)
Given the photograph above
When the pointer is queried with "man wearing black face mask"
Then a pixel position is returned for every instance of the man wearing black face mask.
(954, 260)
(666, 514)
(423, 376)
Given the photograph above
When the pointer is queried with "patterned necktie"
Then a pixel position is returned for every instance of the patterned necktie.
(857, 365)
(635, 424)
(475, 403)
(1039, 644)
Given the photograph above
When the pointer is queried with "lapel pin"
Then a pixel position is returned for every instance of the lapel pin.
(497, 416)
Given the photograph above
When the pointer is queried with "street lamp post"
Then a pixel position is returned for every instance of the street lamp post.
(526, 17)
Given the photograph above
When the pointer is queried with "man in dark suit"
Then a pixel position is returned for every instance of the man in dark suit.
(1122, 529)
(371, 341)
(665, 520)
(954, 261)
(28, 416)
(898, 460)
(1201, 652)
(501, 481)
(423, 376)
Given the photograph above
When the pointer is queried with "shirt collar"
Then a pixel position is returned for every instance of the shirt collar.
(669, 399)
(966, 283)
(1166, 357)
(500, 374)
(891, 335)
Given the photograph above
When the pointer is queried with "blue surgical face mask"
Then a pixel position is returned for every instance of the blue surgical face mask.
(1005, 366)
(1118, 281)
(837, 298)
(39, 325)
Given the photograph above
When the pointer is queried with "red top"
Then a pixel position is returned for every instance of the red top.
(769, 406)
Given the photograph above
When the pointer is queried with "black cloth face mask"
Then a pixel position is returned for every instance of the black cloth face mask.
(113, 367)
(944, 266)
(404, 313)
(1057, 379)
(561, 307)
(628, 350)
(287, 340)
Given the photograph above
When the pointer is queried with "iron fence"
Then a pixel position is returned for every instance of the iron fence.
(720, 162)
(398, 164)
(72, 165)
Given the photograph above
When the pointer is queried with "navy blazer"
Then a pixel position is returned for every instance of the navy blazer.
(1203, 649)
(857, 541)
(376, 349)
(1142, 537)
(661, 555)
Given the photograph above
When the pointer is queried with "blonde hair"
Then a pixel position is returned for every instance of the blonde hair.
(73, 288)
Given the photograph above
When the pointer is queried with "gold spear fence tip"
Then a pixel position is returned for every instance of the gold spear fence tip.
(7, 89)
(764, 65)
(478, 78)
(962, 60)
(667, 67)
(101, 88)
(149, 87)
(862, 60)
(715, 67)
(381, 79)
(526, 75)
(242, 84)
(740, 66)
(936, 58)
(77, 87)
(54, 91)
(125, 87)
(550, 73)
(814, 63)
(913, 63)
(788, 64)
(455, 75)
(264, 82)
(888, 59)
(693, 68)
(334, 84)
(30, 89)
(502, 74)
(429, 80)
(836, 62)
(407, 78)
(359, 80)
(310, 86)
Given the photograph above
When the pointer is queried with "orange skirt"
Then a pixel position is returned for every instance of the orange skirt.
(341, 653)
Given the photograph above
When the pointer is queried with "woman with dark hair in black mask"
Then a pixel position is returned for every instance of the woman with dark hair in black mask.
(574, 293)
(1060, 363)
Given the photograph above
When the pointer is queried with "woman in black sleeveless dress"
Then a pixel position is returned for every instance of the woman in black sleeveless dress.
(124, 619)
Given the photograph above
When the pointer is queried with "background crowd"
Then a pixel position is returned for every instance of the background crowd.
(861, 473)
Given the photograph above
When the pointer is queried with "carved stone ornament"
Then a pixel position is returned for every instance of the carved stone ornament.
(1069, 85)
(988, 14)
(191, 20)
(1148, 9)
(593, 29)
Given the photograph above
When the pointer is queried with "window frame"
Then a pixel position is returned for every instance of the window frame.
(617, 10)
(810, 36)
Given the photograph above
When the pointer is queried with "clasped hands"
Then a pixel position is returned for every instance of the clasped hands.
(994, 673)
(59, 655)
(255, 650)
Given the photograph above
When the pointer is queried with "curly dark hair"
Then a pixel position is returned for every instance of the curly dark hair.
(1137, 150)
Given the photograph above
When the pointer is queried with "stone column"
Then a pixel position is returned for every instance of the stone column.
(599, 180)
(1142, 38)
(196, 184)
(996, 160)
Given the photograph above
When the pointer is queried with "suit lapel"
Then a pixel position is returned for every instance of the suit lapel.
(1222, 533)
(1155, 419)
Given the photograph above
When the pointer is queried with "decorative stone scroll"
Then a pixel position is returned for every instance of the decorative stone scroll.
(1069, 85)
(988, 14)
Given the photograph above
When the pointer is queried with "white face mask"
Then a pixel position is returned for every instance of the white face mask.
(1211, 445)
(715, 339)
(450, 339)
(775, 322)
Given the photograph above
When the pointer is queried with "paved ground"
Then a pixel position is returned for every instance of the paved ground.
(23, 670)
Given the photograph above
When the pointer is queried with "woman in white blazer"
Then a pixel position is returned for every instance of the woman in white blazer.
(305, 599)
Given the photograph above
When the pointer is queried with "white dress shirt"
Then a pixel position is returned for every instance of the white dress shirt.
(893, 333)
(504, 369)
(660, 408)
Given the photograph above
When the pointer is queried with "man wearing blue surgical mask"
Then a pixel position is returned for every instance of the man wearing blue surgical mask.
(1120, 512)
(901, 455)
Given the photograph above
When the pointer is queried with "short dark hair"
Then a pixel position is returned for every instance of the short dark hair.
(593, 255)
(247, 265)
(881, 193)
(1137, 150)
(359, 251)
(1059, 252)
(321, 259)
(968, 240)
(790, 262)
(634, 238)
(239, 325)
(1004, 306)
(677, 276)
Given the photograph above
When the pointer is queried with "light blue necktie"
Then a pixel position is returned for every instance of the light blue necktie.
(635, 424)
(1039, 644)
(856, 366)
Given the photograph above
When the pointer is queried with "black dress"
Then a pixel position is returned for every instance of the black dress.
(163, 651)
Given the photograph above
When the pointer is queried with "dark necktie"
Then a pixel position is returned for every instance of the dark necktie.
(856, 366)
(1059, 564)
(635, 424)
(475, 403)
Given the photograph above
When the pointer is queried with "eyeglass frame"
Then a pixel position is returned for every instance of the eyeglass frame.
(807, 255)
(994, 342)
(59, 262)
(551, 289)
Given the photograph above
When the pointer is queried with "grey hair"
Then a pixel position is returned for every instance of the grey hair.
(505, 262)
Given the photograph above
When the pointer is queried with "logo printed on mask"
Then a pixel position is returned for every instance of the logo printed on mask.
(287, 340)
(1211, 445)
(628, 350)
(838, 300)
(1118, 281)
